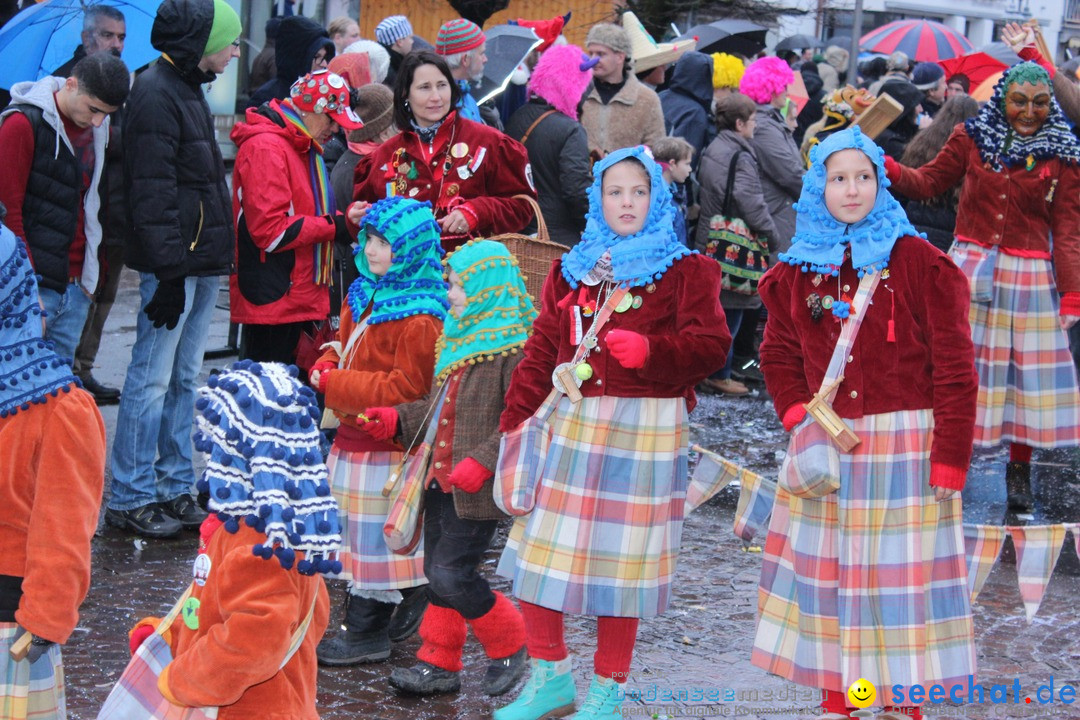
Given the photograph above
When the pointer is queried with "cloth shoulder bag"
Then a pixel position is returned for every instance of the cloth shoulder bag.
(523, 450)
(812, 466)
(136, 696)
(743, 257)
(404, 526)
(329, 419)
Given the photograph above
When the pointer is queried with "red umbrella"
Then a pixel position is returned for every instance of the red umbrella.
(977, 66)
(921, 40)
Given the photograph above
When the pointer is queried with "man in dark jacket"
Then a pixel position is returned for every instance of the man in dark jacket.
(182, 240)
(302, 46)
(687, 102)
(104, 30)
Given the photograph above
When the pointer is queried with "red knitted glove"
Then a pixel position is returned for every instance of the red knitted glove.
(793, 416)
(628, 347)
(324, 380)
(142, 630)
(947, 476)
(1070, 303)
(321, 367)
(892, 169)
(381, 422)
(469, 475)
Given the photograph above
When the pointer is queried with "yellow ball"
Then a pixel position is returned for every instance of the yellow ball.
(862, 693)
(583, 371)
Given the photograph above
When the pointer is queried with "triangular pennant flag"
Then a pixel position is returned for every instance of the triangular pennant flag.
(983, 546)
(1037, 552)
(757, 495)
(712, 474)
(1075, 527)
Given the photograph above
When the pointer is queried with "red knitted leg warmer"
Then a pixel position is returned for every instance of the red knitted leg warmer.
(835, 701)
(1019, 453)
(501, 630)
(543, 632)
(442, 632)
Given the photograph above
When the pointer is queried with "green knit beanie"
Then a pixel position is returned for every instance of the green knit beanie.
(225, 30)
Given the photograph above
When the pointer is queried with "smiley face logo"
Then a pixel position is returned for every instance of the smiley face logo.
(862, 693)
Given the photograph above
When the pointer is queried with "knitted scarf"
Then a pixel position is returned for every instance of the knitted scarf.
(30, 372)
(498, 314)
(320, 190)
(414, 284)
(997, 142)
(820, 239)
(637, 259)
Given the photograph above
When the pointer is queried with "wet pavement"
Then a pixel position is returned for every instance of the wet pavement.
(698, 651)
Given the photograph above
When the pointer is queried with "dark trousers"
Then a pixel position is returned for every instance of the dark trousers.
(86, 353)
(734, 319)
(272, 343)
(744, 342)
(453, 549)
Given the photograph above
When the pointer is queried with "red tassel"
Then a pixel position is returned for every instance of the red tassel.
(891, 337)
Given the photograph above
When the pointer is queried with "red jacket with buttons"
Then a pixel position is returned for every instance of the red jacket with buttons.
(467, 164)
(930, 364)
(1015, 208)
(682, 320)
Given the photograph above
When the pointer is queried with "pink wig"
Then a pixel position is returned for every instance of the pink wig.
(765, 78)
(561, 76)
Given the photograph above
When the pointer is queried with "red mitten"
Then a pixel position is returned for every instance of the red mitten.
(381, 422)
(321, 367)
(142, 630)
(468, 475)
(947, 476)
(793, 416)
(628, 347)
(892, 169)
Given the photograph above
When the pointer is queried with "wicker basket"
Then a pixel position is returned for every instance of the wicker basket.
(534, 254)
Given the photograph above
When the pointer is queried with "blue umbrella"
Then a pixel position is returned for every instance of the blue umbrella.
(43, 37)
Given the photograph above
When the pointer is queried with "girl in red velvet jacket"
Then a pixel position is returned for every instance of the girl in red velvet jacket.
(869, 581)
(1020, 164)
(604, 535)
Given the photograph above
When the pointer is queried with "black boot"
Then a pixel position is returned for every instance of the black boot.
(409, 613)
(1018, 486)
(363, 637)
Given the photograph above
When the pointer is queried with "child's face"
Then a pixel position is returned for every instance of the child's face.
(850, 185)
(456, 294)
(626, 192)
(680, 170)
(378, 254)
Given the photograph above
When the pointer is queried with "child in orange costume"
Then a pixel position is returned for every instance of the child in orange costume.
(268, 486)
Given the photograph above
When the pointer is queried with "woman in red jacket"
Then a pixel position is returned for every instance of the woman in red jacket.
(286, 221)
(604, 536)
(869, 581)
(469, 172)
(1019, 163)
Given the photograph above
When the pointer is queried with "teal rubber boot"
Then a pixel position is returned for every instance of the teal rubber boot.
(548, 693)
(603, 702)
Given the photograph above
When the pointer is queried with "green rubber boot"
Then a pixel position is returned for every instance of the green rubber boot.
(603, 701)
(548, 693)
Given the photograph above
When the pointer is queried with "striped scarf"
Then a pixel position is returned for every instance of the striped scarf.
(320, 189)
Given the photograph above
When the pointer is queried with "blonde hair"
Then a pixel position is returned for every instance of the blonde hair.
(339, 26)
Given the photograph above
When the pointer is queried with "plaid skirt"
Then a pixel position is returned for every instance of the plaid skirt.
(33, 692)
(871, 581)
(356, 480)
(1028, 389)
(604, 536)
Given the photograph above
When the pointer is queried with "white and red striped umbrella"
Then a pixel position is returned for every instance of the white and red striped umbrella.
(920, 40)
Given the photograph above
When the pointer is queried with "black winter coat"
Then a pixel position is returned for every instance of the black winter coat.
(687, 102)
(179, 206)
(558, 150)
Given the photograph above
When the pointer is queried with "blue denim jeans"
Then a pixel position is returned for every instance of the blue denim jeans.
(734, 322)
(65, 316)
(151, 457)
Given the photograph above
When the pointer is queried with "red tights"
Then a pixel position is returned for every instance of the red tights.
(615, 637)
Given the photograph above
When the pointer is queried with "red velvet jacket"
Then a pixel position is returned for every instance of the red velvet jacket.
(485, 170)
(931, 363)
(1016, 208)
(681, 318)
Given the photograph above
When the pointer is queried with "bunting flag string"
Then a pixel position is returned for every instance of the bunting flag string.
(1038, 547)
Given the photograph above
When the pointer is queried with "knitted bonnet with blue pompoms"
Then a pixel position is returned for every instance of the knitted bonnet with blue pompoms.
(30, 372)
(820, 239)
(258, 426)
(637, 259)
(414, 283)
